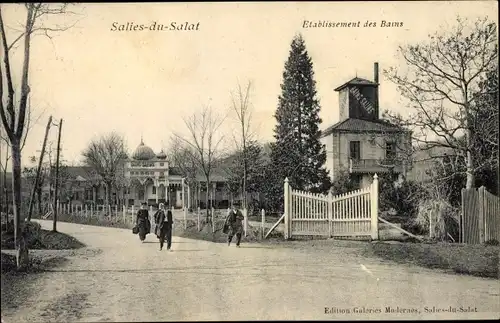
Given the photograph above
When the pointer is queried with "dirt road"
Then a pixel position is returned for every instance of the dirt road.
(200, 280)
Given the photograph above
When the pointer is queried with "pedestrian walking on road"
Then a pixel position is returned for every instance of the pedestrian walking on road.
(163, 230)
(234, 224)
(142, 222)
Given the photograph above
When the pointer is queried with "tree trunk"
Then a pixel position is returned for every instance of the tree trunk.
(39, 169)
(56, 194)
(39, 199)
(207, 197)
(22, 259)
(108, 192)
(5, 193)
(470, 163)
(244, 176)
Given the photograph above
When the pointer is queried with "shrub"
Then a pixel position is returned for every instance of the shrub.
(343, 183)
(442, 214)
(492, 242)
(402, 197)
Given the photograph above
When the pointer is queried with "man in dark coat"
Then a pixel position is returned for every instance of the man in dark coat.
(142, 222)
(234, 224)
(163, 230)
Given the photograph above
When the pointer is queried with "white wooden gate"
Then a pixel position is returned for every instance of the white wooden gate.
(354, 214)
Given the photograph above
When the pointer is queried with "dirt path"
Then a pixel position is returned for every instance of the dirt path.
(200, 280)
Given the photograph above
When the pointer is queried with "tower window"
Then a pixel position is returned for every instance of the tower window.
(355, 150)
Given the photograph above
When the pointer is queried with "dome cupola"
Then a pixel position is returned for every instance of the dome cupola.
(161, 155)
(143, 152)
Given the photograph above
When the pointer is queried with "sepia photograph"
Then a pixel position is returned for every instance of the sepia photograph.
(249, 161)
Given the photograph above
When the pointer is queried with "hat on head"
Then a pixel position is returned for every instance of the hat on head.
(236, 203)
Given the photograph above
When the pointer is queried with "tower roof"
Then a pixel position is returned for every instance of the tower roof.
(357, 81)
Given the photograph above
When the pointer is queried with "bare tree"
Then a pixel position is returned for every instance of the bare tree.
(106, 155)
(4, 161)
(442, 81)
(205, 140)
(14, 109)
(183, 156)
(241, 106)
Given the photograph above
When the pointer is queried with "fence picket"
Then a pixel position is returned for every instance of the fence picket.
(342, 215)
(480, 218)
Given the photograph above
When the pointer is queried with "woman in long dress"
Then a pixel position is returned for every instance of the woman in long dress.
(142, 222)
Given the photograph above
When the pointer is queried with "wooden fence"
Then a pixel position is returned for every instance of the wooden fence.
(480, 218)
(127, 215)
(354, 214)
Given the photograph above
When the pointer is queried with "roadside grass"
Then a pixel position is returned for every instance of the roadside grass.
(104, 221)
(474, 260)
(39, 239)
(206, 232)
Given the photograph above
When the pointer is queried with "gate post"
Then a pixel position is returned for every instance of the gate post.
(287, 209)
(481, 217)
(330, 214)
(374, 208)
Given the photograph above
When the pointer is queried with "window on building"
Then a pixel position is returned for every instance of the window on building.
(161, 164)
(390, 150)
(154, 190)
(355, 150)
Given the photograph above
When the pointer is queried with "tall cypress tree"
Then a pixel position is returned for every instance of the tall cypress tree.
(297, 152)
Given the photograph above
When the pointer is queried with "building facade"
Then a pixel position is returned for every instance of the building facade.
(145, 176)
(361, 143)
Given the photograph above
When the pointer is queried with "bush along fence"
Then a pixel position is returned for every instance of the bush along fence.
(480, 218)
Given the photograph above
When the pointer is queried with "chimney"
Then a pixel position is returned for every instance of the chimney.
(375, 72)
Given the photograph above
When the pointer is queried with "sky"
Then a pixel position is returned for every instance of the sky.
(142, 83)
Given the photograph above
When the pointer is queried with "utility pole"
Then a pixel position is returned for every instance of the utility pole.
(39, 169)
(54, 225)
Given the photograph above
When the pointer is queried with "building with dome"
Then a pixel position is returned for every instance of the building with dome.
(147, 177)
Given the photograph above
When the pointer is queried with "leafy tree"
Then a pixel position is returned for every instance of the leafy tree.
(485, 132)
(297, 153)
